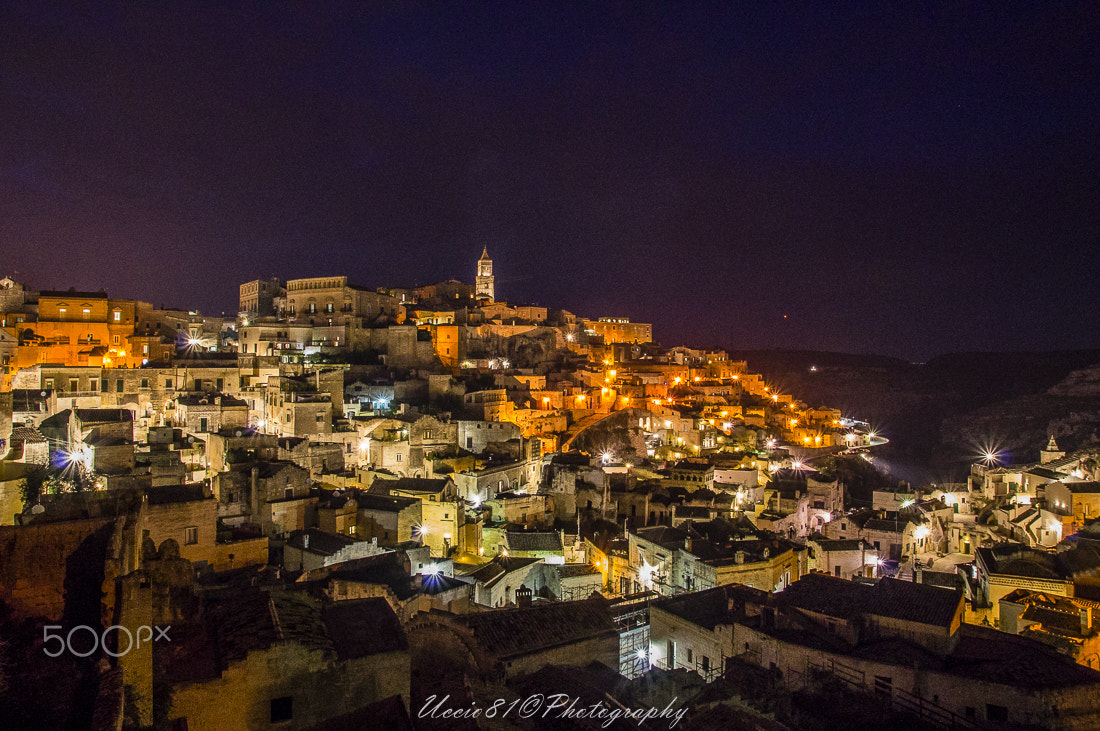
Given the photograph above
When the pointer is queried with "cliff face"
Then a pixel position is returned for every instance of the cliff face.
(1070, 410)
(940, 415)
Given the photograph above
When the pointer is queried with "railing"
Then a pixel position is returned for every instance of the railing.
(883, 687)
(931, 711)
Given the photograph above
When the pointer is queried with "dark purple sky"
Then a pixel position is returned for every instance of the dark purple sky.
(907, 178)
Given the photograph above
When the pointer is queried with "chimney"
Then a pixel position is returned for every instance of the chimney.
(1086, 620)
(255, 493)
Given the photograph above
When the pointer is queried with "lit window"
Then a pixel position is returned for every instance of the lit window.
(118, 316)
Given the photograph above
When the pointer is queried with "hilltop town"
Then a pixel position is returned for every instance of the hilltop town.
(346, 502)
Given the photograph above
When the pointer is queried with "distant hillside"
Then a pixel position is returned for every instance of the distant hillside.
(936, 414)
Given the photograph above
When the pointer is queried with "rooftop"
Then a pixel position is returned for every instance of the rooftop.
(103, 415)
(912, 602)
(534, 541)
(516, 632)
(490, 573)
(415, 484)
(319, 542)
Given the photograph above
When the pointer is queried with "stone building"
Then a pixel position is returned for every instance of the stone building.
(285, 659)
(904, 642)
(271, 496)
(258, 298)
(507, 643)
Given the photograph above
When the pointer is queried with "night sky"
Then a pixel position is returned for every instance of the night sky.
(907, 179)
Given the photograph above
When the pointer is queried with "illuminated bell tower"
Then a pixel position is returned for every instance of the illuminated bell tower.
(483, 286)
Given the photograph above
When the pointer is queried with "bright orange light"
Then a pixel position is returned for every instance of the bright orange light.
(626, 399)
(612, 373)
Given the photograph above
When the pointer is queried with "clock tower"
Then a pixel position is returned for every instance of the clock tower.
(484, 282)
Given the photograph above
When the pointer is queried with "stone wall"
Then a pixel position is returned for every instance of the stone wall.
(320, 686)
(54, 569)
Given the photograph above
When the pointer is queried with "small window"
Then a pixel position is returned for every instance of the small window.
(191, 536)
(398, 456)
(145, 383)
(167, 382)
(288, 493)
(118, 386)
(118, 316)
(282, 709)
